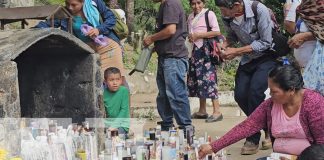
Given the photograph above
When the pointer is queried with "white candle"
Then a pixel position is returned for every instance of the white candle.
(139, 153)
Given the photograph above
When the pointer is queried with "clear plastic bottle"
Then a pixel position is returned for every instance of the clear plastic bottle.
(221, 155)
(158, 130)
(166, 153)
(172, 144)
(108, 144)
(185, 150)
(128, 145)
(119, 148)
(140, 153)
(158, 146)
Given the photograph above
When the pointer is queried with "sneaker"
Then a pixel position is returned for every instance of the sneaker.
(249, 148)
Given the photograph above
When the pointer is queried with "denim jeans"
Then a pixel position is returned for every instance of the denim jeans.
(172, 99)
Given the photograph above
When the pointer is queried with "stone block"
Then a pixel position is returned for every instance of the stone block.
(9, 92)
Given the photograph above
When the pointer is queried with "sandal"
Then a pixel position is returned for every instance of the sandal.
(213, 118)
(198, 115)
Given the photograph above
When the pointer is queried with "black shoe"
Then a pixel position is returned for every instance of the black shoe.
(165, 127)
(213, 118)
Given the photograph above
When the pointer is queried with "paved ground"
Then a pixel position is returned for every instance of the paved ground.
(232, 116)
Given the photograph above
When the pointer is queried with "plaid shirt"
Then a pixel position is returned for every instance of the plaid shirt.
(259, 36)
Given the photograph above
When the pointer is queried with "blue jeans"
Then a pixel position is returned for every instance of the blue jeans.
(172, 99)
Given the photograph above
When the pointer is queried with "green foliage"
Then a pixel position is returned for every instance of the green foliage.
(121, 3)
(49, 2)
(146, 11)
(226, 75)
(277, 8)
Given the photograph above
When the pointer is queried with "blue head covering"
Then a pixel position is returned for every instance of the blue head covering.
(91, 13)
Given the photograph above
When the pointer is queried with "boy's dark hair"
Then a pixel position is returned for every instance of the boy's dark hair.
(287, 75)
(226, 3)
(313, 152)
(111, 70)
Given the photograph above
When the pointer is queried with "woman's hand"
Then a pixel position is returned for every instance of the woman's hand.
(93, 33)
(284, 158)
(296, 41)
(193, 37)
(204, 150)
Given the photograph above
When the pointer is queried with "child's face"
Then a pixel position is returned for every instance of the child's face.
(113, 81)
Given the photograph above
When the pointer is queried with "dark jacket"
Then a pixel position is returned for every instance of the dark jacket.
(105, 28)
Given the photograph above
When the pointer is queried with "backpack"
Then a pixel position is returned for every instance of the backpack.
(279, 46)
(120, 28)
(213, 44)
(272, 15)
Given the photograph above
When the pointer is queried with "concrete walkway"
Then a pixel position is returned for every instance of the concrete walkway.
(232, 116)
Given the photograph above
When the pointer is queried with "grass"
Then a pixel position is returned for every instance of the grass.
(144, 113)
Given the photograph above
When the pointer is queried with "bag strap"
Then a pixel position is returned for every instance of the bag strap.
(207, 21)
(255, 10)
(298, 24)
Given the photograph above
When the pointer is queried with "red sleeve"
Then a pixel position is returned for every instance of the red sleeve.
(254, 123)
(316, 116)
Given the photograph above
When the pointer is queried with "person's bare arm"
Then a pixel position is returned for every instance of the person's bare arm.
(298, 39)
(195, 36)
(165, 33)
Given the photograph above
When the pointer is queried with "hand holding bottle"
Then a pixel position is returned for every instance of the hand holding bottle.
(204, 150)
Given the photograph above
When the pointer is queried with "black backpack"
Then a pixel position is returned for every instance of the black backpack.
(279, 46)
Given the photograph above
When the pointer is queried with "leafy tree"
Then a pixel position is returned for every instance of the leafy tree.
(49, 2)
(277, 7)
(130, 14)
(146, 11)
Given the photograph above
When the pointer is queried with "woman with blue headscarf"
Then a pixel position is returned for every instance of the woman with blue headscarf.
(96, 14)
